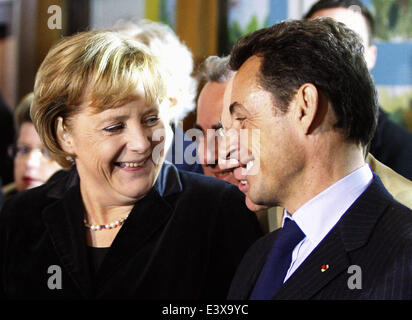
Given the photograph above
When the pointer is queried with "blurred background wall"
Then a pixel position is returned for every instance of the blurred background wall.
(393, 18)
(206, 26)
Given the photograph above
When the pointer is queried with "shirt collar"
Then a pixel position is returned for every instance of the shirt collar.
(319, 215)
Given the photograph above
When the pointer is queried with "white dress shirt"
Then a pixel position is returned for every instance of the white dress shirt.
(320, 214)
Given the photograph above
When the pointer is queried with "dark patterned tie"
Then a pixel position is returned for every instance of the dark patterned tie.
(278, 261)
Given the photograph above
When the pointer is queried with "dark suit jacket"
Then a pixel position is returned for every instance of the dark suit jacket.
(183, 240)
(392, 145)
(374, 234)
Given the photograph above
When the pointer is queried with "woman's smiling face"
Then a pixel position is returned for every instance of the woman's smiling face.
(113, 149)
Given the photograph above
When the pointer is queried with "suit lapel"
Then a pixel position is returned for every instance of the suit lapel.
(64, 221)
(247, 280)
(308, 279)
(350, 233)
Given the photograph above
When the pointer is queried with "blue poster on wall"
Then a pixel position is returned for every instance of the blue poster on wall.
(393, 70)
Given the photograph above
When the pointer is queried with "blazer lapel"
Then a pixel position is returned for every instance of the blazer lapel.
(245, 280)
(64, 221)
(350, 233)
(308, 279)
(146, 217)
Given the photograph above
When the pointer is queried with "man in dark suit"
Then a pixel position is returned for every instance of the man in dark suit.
(303, 90)
(392, 143)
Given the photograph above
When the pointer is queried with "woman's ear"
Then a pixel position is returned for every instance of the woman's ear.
(64, 137)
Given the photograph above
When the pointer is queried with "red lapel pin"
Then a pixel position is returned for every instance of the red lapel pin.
(324, 267)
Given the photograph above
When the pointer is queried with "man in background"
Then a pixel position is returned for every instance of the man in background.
(391, 143)
(213, 77)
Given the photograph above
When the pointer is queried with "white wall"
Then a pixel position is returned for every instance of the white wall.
(105, 13)
(297, 8)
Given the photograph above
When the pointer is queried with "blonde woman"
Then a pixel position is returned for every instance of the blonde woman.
(181, 84)
(122, 224)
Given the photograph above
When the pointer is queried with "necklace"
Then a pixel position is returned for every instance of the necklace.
(96, 227)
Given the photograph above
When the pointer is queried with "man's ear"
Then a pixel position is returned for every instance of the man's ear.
(371, 55)
(306, 107)
(64, 137)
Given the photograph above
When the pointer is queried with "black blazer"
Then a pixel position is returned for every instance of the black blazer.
(374, 234)
(183, 240)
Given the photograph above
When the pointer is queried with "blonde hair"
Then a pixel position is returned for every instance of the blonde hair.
(174, 55)
(113, 71)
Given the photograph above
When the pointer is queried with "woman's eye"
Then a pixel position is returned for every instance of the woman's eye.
(23, 150)
(114, 128)
(151, 120)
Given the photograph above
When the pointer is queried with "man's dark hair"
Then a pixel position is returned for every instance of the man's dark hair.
(331, 4)
(322, 52)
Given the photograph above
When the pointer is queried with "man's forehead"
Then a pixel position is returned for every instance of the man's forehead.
(242, 83)
(210, 104)
(250, 66)
(247, 75)
(210, 98)
(227, 96)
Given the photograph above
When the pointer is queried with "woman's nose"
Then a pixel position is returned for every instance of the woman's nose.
(35, 157)
(139, 141)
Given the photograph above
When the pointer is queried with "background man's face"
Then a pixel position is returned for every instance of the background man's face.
(209, 110)
(355, 21)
